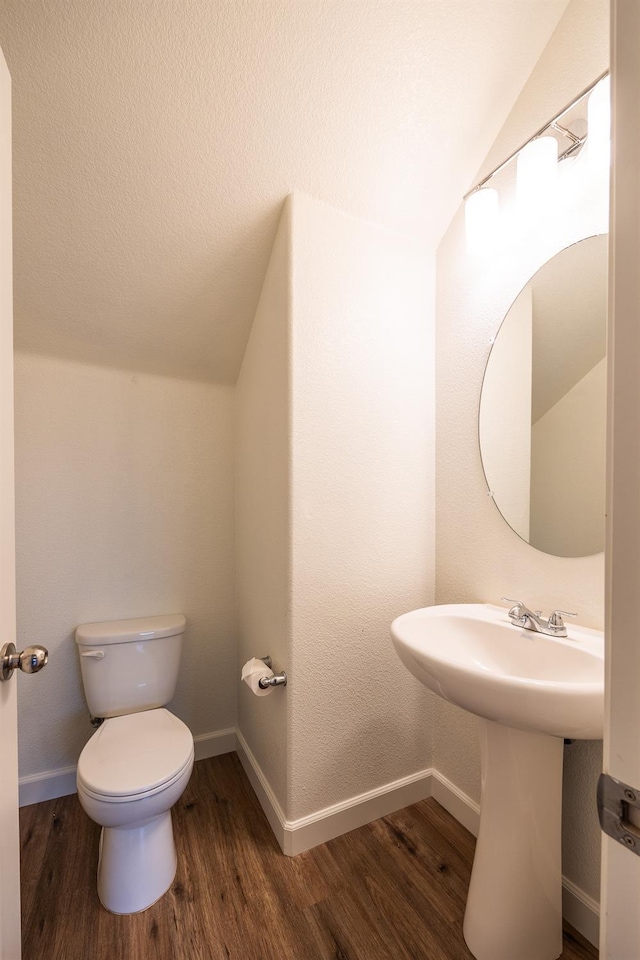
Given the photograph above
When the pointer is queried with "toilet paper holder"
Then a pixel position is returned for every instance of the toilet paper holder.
(277, 680)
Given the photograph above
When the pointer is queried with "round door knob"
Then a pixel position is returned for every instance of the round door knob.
(33, 659)
(30, 660)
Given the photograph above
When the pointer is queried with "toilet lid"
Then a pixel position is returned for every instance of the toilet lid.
(135, 754)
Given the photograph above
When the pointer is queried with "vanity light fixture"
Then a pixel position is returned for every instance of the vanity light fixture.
(481, 214)
(537, 175)
(599, 120)
(538, 161)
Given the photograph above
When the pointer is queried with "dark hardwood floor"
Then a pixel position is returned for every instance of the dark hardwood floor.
(392, 890)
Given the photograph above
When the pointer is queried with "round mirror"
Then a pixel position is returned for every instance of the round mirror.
(543, 405)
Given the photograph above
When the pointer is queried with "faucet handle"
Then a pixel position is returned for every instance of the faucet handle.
(555, 620)
(516, 609)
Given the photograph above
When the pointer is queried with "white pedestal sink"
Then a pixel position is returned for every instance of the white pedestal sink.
(532, 691)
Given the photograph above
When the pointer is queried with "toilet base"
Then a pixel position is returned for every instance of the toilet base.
(137, 864)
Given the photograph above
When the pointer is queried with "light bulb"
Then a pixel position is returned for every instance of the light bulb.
(537, 176)
(482, 221)
(599, 125)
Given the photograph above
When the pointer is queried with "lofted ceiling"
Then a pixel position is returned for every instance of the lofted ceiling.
(155, 141)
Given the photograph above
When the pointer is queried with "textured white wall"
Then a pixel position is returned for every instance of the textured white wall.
(263, 440)
(335, 504)
(361, 500)
(568, 470)
(479, 558)
(124, 508)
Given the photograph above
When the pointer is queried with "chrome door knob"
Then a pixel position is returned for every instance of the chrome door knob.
(30, 660)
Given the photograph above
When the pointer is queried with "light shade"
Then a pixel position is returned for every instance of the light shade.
(482, 220)
(537, 176)
(599, 125)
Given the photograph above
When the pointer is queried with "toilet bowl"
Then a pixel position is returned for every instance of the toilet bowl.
(137, 764)
(130, 774)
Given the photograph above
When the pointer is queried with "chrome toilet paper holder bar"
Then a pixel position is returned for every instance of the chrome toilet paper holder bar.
(277, 680)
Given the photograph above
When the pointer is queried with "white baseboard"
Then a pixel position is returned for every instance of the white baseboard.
(46, 786)
(215, 744)
(266, 797)
(581, 911)
(355, 812)
(458, 804)
(296, 836)
(61, 783)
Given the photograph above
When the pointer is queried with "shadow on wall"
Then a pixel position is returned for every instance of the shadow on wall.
(375, 743)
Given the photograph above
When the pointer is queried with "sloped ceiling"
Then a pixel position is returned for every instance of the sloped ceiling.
(155, 141)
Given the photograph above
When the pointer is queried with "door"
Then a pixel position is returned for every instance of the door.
(9, 846)
(620, 920)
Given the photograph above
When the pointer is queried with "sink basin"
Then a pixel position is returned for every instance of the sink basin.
(472, 655)
(531, 691)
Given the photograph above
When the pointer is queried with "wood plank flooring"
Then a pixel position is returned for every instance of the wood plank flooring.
(392, 890)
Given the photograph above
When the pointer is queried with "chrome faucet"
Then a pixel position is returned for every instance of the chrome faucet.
(521, 616)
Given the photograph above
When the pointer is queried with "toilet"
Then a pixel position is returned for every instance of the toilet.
(138, 762)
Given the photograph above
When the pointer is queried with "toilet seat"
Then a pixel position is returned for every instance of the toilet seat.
(135, 756)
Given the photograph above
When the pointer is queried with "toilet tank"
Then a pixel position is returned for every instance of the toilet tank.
(130, 665)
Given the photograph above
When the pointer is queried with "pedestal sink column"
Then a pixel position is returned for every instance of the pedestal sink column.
(514, 906)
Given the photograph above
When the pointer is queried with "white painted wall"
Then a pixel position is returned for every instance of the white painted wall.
(568, 470)
(505, 416)
(361, 501)
(335, 504)
(263, 487)
(124, 508)
(478, 556)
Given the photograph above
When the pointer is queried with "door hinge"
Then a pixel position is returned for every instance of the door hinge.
(615, 799)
